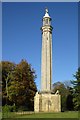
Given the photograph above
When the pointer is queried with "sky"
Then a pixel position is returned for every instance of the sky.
(21, 36)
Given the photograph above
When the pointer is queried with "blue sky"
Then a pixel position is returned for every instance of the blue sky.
(22, 36)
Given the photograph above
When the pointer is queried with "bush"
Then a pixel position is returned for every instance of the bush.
(8, 108)
(8, 111)
(5, 109)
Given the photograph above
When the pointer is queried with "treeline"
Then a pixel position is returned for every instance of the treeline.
(19, 88)
(18, 85)
(70, 93)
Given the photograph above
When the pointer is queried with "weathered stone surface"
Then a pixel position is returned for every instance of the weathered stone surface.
(36, 102)
(46, 59)
(47, 102)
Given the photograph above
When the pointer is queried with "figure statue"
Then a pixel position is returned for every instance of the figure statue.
(46, 10)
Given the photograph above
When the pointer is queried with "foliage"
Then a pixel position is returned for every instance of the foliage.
(20, 87)
(65, 95)
(70, 95)
(5, 108)
(8, 108)
(76, 90)
(7, 68)
(69, 100)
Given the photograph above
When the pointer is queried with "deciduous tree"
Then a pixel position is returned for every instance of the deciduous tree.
(65, 95)
(21, 85)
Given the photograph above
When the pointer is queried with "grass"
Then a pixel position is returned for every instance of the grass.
(42, 115)
(52, 115)
(0, 115)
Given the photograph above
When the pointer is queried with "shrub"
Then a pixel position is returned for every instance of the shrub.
(5, 109)
(8, 108)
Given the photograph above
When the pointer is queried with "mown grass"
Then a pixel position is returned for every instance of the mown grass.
(41, 115)
(52, 115)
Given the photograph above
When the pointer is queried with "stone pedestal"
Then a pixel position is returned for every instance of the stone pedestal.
(47, 102)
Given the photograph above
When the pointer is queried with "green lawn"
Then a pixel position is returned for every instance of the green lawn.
(52, 115)
(42, 115)
(0, 115)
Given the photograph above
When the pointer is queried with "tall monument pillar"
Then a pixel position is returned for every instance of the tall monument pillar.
(46, 62)
(45, 100)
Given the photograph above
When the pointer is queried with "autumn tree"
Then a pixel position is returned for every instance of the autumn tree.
(21, 85)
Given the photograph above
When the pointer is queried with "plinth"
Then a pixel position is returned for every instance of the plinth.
(47, 102)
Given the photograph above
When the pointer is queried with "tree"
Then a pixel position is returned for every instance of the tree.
(20, 87)
(7, 68)
(0, 86)
(65, 93)
(69, 100)
(76, 90)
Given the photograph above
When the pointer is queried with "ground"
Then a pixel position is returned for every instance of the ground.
(68, 114)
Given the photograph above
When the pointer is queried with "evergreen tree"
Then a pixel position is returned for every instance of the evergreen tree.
(76, 90)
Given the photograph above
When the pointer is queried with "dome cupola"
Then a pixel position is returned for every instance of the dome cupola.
(46, 18)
